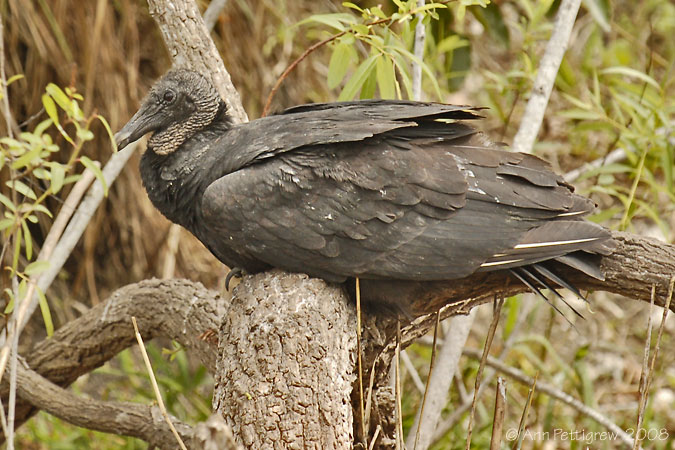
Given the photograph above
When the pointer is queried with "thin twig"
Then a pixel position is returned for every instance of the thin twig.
(364, 437)
(13, 323)
(431, 371)
(615, 156)
(458, 412)
(130, 419)
(289, 69)
(546, 74)
(212, 12)
(439, 381)
(3, 80)
(70, 238)
(378, 429)
(155, 387)
(418, 50)
(417, 380)
(399, 413)
(305, 54)
(650, 375)
(31, 299)
(500, 409)
(523, 417)
(486, 350)
(643, 373)
(555, 393)
(14, 355)
(3, 419)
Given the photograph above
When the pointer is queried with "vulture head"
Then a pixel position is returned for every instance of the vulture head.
(181, 104)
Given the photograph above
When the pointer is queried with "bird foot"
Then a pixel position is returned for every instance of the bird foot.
(236, 272)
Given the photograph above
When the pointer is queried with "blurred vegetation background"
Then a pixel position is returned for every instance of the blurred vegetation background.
(615, 91)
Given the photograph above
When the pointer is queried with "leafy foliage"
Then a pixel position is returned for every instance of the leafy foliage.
(30, 164)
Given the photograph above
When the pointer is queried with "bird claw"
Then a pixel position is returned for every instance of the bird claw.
(236, 272)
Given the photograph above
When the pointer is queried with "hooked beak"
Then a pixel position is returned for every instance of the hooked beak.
(144, 121)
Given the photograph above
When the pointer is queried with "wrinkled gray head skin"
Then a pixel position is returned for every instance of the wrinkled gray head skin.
(177, 106)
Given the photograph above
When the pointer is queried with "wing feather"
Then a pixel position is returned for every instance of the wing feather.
(387, 198)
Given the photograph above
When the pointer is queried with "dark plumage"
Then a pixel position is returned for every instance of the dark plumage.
(392, 190)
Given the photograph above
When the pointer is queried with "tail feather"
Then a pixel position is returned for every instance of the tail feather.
(522, 275)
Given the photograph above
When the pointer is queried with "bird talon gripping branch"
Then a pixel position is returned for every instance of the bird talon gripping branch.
(398, 192)
(236, 272)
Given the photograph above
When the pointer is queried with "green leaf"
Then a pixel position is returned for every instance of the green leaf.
(42, 209)
(85, 135)
(581, 114)
(578, 103)
(339, 63)
(403, 74)
(58, 173)
(106, 125)
(21, 188)
(599, 10)
(60, 97)
(10, 305)
(368, 88)
(377, 12)
(17, 249)
(50, 108)
(46, 313)
(28, 240)
(386, 78)
(36, 267)
(13, 78)
(361, 29)
(358, 79)
(337, 21)
(94, 167)
(352, 6)
(6, 223)
(7, 202)
(31, 157)
(631, 73)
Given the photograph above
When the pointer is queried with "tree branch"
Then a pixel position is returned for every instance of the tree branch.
(286, 363)
(130, 419)
(636, 264)
(524, 139)
(187, 312)
(189, 43)
(177, 309)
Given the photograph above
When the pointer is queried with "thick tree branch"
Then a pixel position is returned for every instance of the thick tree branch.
(130, 419)
(177, 309)
(187, 38)
(636, 264)
(286, 363)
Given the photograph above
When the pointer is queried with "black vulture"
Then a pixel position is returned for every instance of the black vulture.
(384, 190)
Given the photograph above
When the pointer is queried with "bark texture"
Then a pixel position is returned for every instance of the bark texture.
(286, 363)
(190, 45)
(177, 309)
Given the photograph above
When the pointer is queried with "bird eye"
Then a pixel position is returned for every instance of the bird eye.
(169, 96)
